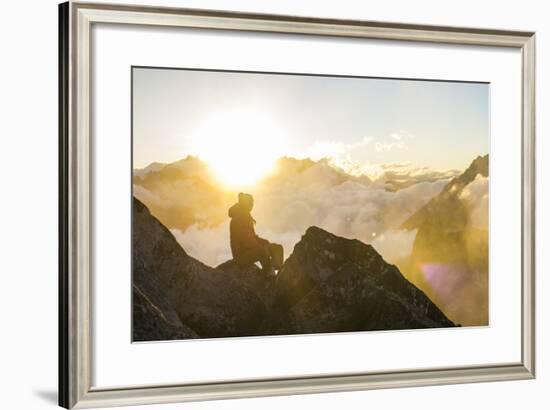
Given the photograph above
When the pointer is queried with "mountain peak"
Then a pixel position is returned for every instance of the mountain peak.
(447, 206)
(480, 165)
(332, 284)
(332, 249)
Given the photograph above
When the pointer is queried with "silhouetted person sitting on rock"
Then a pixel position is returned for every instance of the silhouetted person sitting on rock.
(247, 247)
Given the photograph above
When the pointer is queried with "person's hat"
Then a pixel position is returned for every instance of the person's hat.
(245, 198)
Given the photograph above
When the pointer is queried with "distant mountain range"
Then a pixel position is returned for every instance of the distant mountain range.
(162, 186)
(392, 176)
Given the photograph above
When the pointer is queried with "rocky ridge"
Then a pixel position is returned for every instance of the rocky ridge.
(328, 284)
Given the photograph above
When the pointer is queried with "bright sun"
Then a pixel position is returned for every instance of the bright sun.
(241, 145)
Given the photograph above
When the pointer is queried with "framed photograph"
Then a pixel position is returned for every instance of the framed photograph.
(255, 205)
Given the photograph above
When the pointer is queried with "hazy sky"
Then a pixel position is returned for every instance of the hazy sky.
(370, 121)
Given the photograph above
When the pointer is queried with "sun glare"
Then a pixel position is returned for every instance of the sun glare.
(241, 146)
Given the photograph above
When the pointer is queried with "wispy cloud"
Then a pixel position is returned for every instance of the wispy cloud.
(400, 174)
(388, 146)
(476, 196)
(396, 140)
(402, 135)
(335, 149)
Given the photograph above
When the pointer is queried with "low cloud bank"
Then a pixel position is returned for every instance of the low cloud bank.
(476, 196)
(315, 196)
(395, 245)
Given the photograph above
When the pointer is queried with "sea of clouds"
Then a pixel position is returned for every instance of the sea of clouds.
(318, 196)
(476, 196)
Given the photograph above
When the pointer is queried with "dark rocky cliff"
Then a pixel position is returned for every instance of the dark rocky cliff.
(208, 301)
(328, 284)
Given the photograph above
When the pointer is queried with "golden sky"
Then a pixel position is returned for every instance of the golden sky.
(240, 123)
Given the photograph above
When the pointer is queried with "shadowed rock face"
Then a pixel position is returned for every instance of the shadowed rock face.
(328, 284)
(253, 279)
(153, 323)
(207, 300)
(332, 284)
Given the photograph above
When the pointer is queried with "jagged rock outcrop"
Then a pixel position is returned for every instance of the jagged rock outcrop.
(208, 301)
(328, 284)
(449, 260)
(332, 284)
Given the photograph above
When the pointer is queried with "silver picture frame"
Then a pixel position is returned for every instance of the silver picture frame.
(75, 353)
